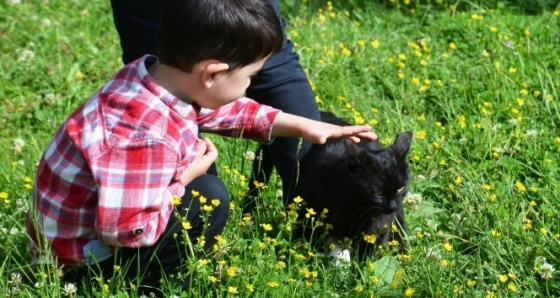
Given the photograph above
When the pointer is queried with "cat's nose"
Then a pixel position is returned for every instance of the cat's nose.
(393, 206)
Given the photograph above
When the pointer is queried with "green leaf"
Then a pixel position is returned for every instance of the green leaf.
(385, 268)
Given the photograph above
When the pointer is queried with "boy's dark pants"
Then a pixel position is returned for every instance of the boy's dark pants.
(281, 83)
(169, 253)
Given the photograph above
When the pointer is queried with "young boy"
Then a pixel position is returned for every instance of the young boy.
(106, 183)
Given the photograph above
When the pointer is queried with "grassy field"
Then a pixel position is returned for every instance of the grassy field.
(477, 84)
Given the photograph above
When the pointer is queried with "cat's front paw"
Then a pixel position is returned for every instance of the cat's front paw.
(340, 256)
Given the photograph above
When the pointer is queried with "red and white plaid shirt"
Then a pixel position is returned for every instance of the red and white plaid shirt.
(109, 175)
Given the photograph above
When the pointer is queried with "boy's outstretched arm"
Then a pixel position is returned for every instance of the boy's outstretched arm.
(288, 125)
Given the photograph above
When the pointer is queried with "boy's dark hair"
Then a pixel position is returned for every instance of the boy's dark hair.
(236, 32)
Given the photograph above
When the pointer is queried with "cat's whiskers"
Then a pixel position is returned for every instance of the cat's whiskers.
(366, 214)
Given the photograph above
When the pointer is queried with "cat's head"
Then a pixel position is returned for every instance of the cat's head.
(379, 175)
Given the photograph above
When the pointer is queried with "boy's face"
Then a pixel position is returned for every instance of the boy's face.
(229, 86)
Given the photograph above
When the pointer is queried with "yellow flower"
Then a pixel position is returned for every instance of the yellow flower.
(447, 246)
(208, 208)
(452, 46)
(359, 288)
(503, 278)
(370, 238)
(298, 199)
(459, 180)
(176, 200)
(409, 292)
(186, 225)
(221, 240)
(212, 279)
(232, 290)
(250, 287)
(203, 262)
(512, 287)
(273, 284)
(375, 43)
(79, 75)
(232, 271)
(471, 283)
(310, 213)
(519, 185)
(195, 193)
(3, 195)
(216, 202)
(267, 227)
(421, 134)
(477, 17)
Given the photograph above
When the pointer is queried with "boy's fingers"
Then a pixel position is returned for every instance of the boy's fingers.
(358, 132)
(202, 148)
(211, 151)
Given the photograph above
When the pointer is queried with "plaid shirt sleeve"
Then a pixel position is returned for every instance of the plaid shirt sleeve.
(242, 118)
(135, 196)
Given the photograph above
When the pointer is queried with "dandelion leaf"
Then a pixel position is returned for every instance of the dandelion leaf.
(385, 268)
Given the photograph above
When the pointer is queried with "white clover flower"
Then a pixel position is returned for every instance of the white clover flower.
(15, 279)
(26, 55)
(531, 133)
(463, 140)
(279, 193)
(249, 155)
(546, 270)
(45, 23)
(13, 2)
(456, 217)
(49, 98)
(69, 290)
(18, 145)
(431, 254)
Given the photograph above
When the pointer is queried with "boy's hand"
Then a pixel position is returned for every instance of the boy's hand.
(319, 132)
(207, 154)
(288, 125)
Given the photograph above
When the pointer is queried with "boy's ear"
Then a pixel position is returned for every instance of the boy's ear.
(211, 70)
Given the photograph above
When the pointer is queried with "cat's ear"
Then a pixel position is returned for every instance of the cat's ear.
(402, 143)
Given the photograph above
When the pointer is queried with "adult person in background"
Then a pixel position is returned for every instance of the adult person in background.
(281, 83)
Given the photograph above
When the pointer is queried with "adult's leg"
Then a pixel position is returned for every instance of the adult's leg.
(136, 22)
(283, 84)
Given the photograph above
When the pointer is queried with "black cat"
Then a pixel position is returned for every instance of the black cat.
(361, 185)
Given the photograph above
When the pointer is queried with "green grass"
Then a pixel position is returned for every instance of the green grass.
(478, 85)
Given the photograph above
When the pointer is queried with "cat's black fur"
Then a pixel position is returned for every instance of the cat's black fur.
(361, 185)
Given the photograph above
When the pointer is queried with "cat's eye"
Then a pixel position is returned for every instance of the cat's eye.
(379, 192)
(400, 190)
